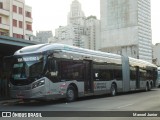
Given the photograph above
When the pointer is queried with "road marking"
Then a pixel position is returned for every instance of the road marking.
(125, 106)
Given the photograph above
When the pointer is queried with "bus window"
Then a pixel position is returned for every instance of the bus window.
(132, 73)
(52, 67)
(71, 70)
(117, 71)
(102, 73)
(51, 70)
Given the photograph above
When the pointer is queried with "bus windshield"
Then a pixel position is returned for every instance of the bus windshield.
(26, 67)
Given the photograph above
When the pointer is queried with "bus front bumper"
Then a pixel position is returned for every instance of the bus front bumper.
(36, 94)
(20, 93)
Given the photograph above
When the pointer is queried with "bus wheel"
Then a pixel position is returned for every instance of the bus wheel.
(113, 90)
(71, 94)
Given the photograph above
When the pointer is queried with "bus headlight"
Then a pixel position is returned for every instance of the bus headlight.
(38, 83)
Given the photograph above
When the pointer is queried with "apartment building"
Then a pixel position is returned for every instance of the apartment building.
(16, 19)
(71, 34)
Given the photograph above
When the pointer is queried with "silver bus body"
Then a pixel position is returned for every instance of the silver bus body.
(79, 72)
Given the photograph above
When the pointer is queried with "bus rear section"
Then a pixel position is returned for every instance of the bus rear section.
(138, 75)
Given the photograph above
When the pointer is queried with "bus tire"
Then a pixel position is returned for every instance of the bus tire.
(113, 90)
(71, 94)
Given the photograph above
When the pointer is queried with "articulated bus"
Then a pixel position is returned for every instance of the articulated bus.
(54, 71)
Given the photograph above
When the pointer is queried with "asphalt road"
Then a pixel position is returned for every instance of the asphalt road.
(137, 101)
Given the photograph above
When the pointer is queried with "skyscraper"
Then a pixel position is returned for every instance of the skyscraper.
(93, 32)
(126, 28)
(76, 15)
(80, 31)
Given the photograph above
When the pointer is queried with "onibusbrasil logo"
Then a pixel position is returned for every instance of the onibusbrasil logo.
(19, 114)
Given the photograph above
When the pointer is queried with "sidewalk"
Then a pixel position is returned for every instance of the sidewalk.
(5, 100)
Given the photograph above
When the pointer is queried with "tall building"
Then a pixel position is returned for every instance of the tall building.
(63, 34)
(80, 31)
(79, 35)
(76, 24)
(126, 28)
(93, 32)
(71, 34)
(76, 15)
(16, 19)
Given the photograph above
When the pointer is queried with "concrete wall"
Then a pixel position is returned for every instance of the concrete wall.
(156, 54)
(127, 23)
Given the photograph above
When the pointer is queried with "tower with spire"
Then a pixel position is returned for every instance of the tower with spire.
(80, 31)
(76, 15)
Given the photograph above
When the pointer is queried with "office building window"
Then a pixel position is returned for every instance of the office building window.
(18, 36)
(20, 10)
(28, 14)
(14, 23)
(1, 5)
(14, 35)
(14, 8)
(20, 24)
(29, 27)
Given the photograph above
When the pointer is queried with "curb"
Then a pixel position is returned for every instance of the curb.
(8, 101)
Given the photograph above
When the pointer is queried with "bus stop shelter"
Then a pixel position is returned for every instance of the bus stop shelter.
(8, 46)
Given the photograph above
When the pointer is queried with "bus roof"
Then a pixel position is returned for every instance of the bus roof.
(138, 62)
(40, 48)
(62, 47)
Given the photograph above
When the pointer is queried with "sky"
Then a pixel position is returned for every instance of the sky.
(50, 14)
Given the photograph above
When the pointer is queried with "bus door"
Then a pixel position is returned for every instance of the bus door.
(88, 79)
(137, 77)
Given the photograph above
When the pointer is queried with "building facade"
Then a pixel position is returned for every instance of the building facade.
(126, 28)
(93, 32)
(156, 55)
(64, 33)
(71, 34)
(76, 15)
(42, 36)
(16, 19)
(80, 31)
